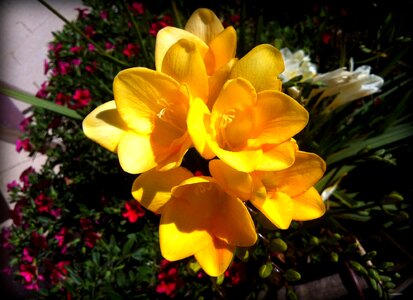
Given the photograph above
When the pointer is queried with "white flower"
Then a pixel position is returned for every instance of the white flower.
(347, 85)
(296, 64)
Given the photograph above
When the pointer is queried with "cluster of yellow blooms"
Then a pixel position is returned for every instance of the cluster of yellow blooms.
(233, 112)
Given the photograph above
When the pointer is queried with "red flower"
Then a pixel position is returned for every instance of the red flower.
(89, 31)
(43, 203)
(42, 92)
(137, 8)
(75, 49)
(326, 38)
(24, 177)
(62, 99)
(39, 240)
(27, 255)
(168, 278)
(133, 211)
(82, 12)
(30, 276)
(59, 272)
(25, 123)
(131, 50)
(81, 98)
(23, 144)
(91, 238)
(158, 25)
(16, 214)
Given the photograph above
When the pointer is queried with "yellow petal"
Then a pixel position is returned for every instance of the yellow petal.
(216, 257)
(135, 153)
(198, 123)
(183, 230)
(277, 207)
(277, 157)
(238, 183)
(308, 206)
(260, 66)
(184, 63)
(278, 117)
(243, 161)
(232, 222)
(307, 169)
(141, 94)
(153, 188)
(205, 24)
(221, 49)
(104, 126)
(217, 80)
(168, 36)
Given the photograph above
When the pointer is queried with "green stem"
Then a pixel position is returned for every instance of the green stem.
(176, 14)
(77, 29)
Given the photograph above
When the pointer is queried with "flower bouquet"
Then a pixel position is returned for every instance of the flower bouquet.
(198, 152)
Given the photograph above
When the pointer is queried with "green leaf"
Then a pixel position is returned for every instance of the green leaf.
(265, 270)
(32, 100)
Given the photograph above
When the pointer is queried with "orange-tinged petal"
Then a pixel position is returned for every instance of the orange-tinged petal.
(135, 153)
(307, 169)
(277, 207)
(216, 257)
(260, 66)
(104, 126)
(184, 63)
(238, 183)
(141, 94)
(168, 36)
(198, 122)
(278, 117)
(277, 157)
(232, 222)
(308, 206)
(217, 80)
(205, 24)
(222, 49)
(152, 189)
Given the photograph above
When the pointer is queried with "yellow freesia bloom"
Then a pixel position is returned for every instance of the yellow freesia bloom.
(198, 217)
(282, 196)
(146, 123)
(247, 130)
(216, 45)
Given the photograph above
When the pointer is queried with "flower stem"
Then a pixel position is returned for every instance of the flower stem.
(77, 29)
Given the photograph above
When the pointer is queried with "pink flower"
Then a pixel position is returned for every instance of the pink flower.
(30, 276)
(81, 98)
(5, 238)
(90, 31)
(91, 68)
(43, 203)
(158, 25)
(62, 68)
(131, 50)
(104, 14)
(137, 8)
(25, 123)
(55, 48)
(59, 272)
(45, 66)
(16, 214)
(91, 238)
(12, 185)
(24, 176)
(27, 255)
(91, 47)
(39, 240)
(23, 144)
(76, 61)
(76, 49)
(62, 236)
(133, 211)
(168, 278)
(62, 99)
(42, 92)
(109, 46)
(82, 12)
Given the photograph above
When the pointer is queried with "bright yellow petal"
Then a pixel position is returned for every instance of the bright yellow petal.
(277, 207)
(277, 157)
(221, 49)
(231, 221)
(135, 153)
(197, 122)
(183, 230)
(260, 66)
(205, 24)
(307, 169)
(168, 36)
(184, 63)
(308, 206)
(217, 80)
(238, 183)
(278, 117)
(216, 257)
(243, 161)
(152, 189)
(104, 126)
(141, 94)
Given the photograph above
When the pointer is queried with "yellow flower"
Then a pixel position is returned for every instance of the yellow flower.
(198, 217)
(247, 130)
(216, 45)
(282, 196)
(146, 123)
